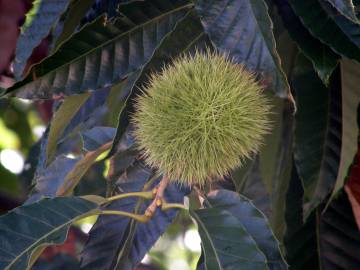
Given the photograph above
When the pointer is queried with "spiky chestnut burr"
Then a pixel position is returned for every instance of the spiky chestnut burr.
(200, 117)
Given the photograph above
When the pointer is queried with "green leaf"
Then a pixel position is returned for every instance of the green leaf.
(350, 81)
(81, 167)
(240, 175)
(225, 242)
(40, 224)
(300, 240)
(252, 186)
(64, 174)
(322, 26)
(339, 236)
(61, 119)
(322, 57)
(266, 182)
(77, 10)
(282, 178)
(346, 8)
(349, 28)
(317, 134)
(268, 154)
(41, 18)
(99, 55)
(97, 136)
(109, 7)
(243, 28)
(254, 222)
(48, 180)
(91, 113)
(326, 240)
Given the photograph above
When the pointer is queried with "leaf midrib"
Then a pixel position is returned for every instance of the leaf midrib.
(117, 37)
(210, 240)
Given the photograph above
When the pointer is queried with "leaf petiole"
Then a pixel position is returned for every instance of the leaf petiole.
(139, 218)
(143, 194)
(167, 206)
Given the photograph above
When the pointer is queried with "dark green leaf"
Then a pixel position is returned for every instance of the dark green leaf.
(244, 30)
(73, 178)
(276, 176)
(100, 55)
(77, 10)
(327, 240)
(48, 180)
(346, 8)
(282, 174)
(109, 7)
(93, 182)
(240, 175)
(41, 18)
(321, 25)
(268, 154)
(61, 119)
(64, 174)
(350, 29)
(252, 186)
(45, 222)
(97, 136)
(90, 114)
(254, 222)
(322, 57)
(225, 242)
(317, 134)
(350, 80)
(266, 181)
(300, 239)
(115, 101)
(339, 236)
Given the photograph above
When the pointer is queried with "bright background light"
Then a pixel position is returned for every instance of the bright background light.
(12, 160)
(192, 240)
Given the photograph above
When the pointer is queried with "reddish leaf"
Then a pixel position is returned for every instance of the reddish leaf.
(11, 13)
(352, 186)
(75, 239)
